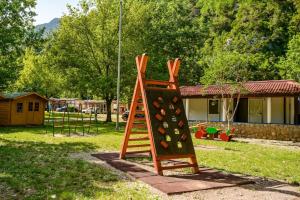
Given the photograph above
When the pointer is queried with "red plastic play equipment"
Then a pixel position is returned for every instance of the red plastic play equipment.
(201, 132)
(227, 136)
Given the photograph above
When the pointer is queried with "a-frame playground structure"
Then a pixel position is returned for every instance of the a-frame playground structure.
(163, 130)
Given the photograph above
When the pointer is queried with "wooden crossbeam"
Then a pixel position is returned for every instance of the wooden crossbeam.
(139, 139)
(138, 133)
(136, 152)
(138, 145)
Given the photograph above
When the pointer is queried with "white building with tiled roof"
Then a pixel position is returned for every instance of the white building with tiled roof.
(261, 102)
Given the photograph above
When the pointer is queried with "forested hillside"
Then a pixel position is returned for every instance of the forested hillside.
(248, 39)
(50, 26)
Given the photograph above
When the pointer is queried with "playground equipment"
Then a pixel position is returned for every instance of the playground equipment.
(213, 132)
(165, 126)
(65, 123)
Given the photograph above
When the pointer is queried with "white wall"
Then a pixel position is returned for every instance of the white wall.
(198, 109)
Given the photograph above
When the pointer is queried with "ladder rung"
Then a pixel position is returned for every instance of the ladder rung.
(139, 126)
(138, 133)
(178, 166)
(139, 139)
(139, 112)
(140, 104)
(140, 119)
(161, 89)
(158, 82)
(144, 151)
(138, 145)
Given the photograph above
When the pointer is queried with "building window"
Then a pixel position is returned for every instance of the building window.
(19, 107)
(213, 106)
(30, 106)
(36, 106)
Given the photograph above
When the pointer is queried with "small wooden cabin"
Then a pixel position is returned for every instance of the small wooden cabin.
(26, 108)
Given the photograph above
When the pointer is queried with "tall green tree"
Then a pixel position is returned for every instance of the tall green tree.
(85, 47)
(257, 29)
(289, 65)
(38, 76)
(16, 32)
(171, 31)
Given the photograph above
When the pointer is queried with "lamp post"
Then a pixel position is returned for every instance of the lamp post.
(119, 66)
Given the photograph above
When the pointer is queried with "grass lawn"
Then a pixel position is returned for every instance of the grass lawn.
(257, 160)
(35, 165)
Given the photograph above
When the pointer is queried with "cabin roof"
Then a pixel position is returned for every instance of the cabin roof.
(17, 95)
(250, 88)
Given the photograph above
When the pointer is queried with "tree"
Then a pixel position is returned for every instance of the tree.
(290, 64)
(229, 71)
(37, 76)
(254, 28)
(171, 31)
(84, 48)
(16, 32)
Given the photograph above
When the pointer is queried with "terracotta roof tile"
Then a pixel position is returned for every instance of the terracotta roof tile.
(250, 88)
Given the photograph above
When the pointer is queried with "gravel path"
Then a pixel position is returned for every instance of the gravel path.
(282, 144)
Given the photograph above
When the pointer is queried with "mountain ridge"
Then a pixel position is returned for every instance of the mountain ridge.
(50, 26)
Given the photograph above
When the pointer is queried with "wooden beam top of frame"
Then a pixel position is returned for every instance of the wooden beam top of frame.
(141, 62)
(173, 67)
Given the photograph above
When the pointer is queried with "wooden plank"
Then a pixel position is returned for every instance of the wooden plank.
(160, 89)
(158, 82)
(138, 145)
(139, 126)
(138, 133)
(143, 151)
(140, 119)
(139, 139)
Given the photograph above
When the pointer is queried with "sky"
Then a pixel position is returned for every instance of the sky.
(46, 10)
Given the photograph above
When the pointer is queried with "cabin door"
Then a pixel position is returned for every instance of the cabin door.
(30, 113)
(297, 110)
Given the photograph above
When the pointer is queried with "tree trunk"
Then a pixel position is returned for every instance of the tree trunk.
(108, 113)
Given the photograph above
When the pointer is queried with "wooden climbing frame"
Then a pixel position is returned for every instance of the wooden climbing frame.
(157, 120)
